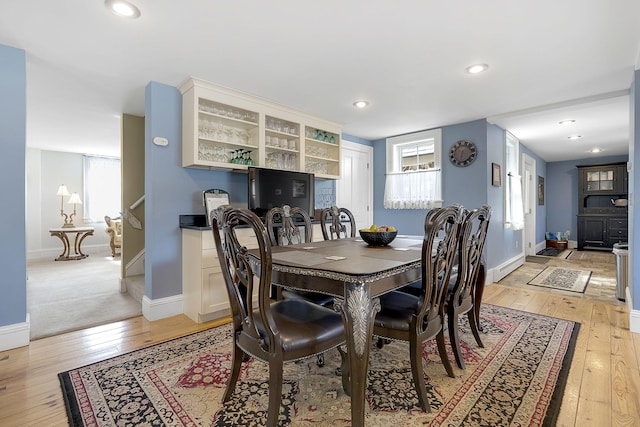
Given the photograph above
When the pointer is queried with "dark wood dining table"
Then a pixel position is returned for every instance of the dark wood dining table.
(356, 274)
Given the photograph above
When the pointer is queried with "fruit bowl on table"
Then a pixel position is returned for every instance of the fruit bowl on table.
(378, 238)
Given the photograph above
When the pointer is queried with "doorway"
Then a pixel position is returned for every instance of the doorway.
(530, 201)
(354, 189)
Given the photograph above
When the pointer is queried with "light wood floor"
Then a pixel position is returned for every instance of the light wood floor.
(603, 387)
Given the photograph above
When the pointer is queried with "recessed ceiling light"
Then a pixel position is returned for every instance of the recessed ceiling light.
(596, 150)
(477, 68)
(566, 122)
(361, 104)
(123, 8)
(574, 136)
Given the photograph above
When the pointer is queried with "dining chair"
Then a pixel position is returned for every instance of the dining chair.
(284, 226)
(274, 332)
(461, 295)
(416, 319)
(332, 225)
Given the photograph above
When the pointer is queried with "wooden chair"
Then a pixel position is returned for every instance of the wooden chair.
(332, 225)
(273, 332)
(282, 226)
(461, 296)
(417, 319)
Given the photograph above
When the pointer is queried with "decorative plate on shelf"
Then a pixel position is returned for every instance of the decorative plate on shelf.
(463, 153)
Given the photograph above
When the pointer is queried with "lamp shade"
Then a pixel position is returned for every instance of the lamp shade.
(62, 190)
(75, 199)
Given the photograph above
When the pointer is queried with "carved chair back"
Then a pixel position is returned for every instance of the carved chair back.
(284, 225)
(332, 225)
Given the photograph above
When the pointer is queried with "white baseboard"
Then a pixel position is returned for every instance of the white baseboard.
(497, 273)
(161, 308)
(540, 246)
(634, 315)
(15, 335)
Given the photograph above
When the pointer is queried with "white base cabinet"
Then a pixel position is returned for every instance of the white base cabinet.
(203, 289)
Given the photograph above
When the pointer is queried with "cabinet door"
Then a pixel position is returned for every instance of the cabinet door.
(214, 293)
(603, 179)
(592, 232)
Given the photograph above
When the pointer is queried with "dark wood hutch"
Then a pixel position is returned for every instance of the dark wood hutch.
(602, 205)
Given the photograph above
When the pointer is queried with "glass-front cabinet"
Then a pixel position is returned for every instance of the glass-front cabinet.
(225, 129)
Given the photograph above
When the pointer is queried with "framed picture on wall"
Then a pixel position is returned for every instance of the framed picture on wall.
(540, 190)
(496, 175)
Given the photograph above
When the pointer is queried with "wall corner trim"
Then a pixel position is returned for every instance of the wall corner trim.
(161, 308)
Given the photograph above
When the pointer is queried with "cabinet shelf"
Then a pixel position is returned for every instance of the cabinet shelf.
(218, 120)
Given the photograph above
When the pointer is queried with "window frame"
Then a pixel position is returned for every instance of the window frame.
(395, 143)
(415, 180)
(511, 166)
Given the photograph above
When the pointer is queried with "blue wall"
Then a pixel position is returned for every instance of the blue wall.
(172, 190)
(13, 119)
(469, 186)
(562, 192)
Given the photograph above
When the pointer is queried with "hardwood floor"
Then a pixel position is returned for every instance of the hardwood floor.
(603, 387)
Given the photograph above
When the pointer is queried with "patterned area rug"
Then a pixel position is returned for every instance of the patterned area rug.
(565, 279)
(517, 379)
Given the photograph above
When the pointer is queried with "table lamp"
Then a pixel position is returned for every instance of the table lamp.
(62, 192)
(73, 200)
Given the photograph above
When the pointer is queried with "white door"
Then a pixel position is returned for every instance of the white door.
(354, 189)
(530, 201)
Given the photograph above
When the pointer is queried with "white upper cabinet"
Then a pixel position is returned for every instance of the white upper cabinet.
(227, 129)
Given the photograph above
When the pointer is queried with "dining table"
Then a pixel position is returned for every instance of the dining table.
(356, 274)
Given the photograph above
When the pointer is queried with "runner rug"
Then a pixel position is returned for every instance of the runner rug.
(517, 379)
(566, 279)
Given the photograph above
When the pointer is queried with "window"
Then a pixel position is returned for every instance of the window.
(102, 188)
(514, 210)
(413, 171)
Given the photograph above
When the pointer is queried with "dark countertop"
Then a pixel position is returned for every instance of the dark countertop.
(194, 222)
(199, 222)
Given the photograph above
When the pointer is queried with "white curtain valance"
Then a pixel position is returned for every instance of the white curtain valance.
(413, 190)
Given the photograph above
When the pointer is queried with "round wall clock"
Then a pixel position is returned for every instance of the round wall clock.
(463, 153)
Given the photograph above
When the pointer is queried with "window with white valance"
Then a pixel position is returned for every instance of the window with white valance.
(514, 207)
(413, 171)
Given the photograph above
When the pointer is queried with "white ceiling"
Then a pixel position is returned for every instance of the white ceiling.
(549, 60)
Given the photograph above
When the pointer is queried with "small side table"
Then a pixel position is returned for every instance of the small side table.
(63, 234)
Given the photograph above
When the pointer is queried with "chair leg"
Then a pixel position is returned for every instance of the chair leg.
(442, 349)
(275, 392)
(474, 322)
(454, 338)
(415, 349)
(236, 362)
(320, 360)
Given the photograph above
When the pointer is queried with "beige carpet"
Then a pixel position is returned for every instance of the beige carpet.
(64, 296)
